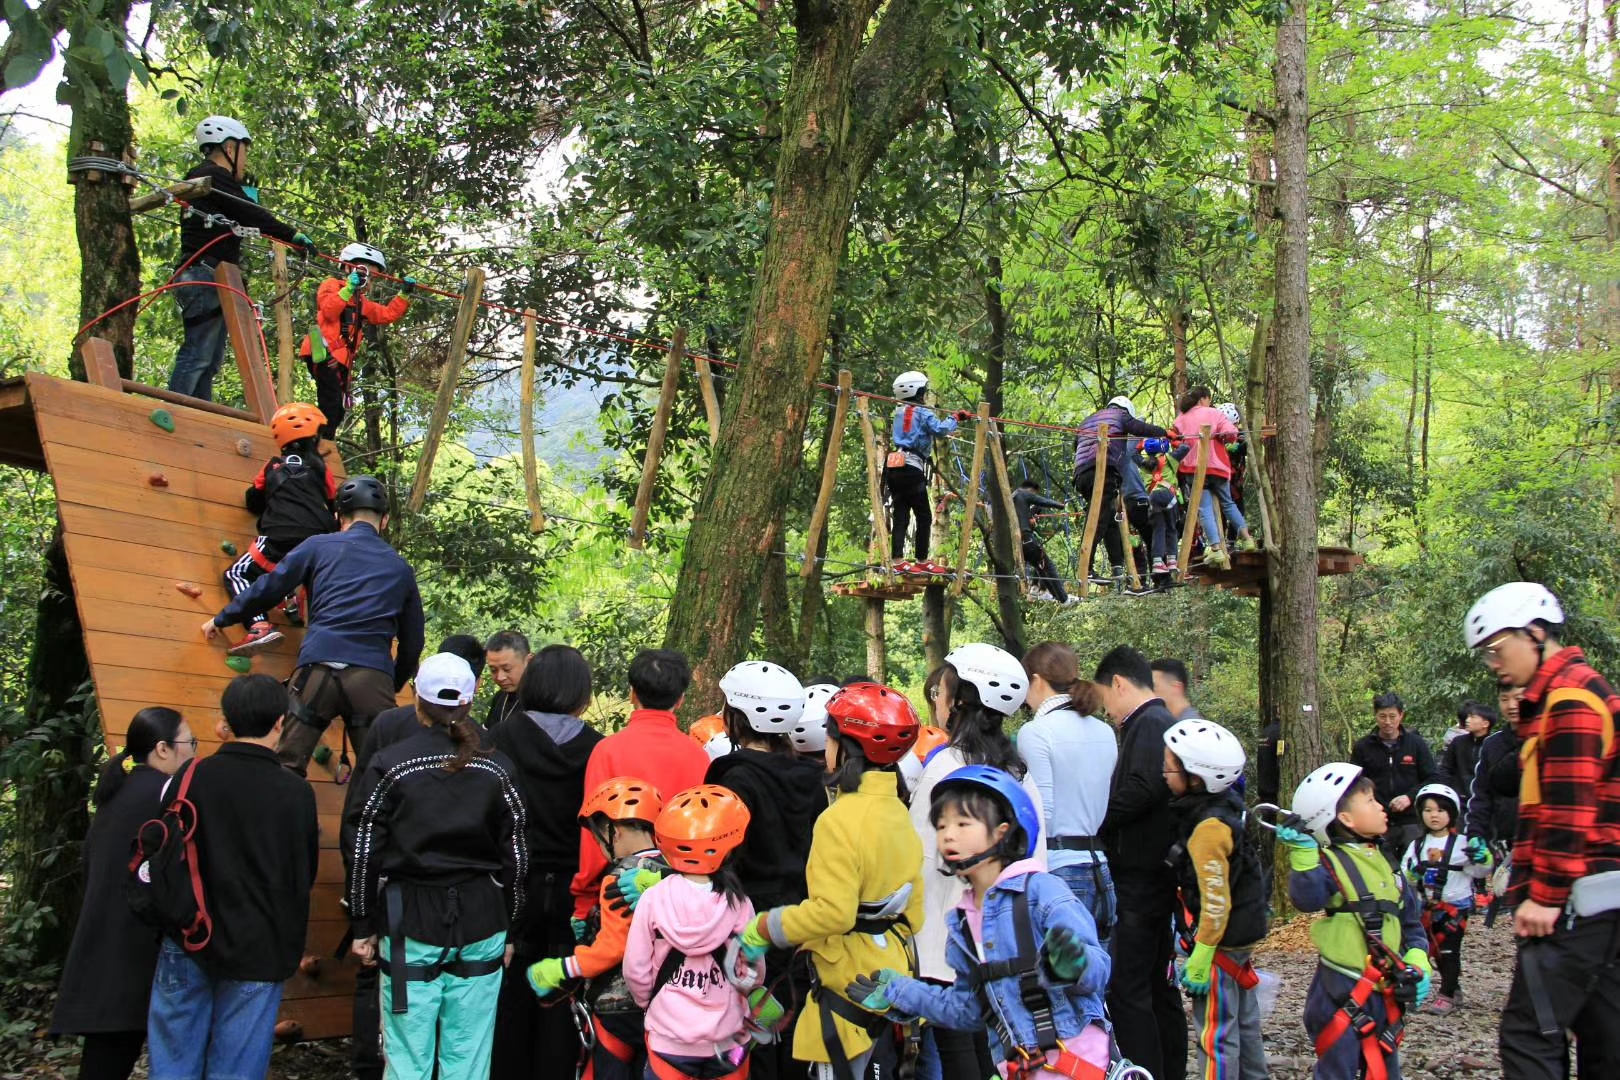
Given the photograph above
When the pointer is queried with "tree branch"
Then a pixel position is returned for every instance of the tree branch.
(1529, 169)
(53, 14)
(1038, 115)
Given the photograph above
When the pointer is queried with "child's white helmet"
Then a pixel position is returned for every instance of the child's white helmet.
(1444, 791)
(1208, 751)
(809, 734)
(995, 673)
(907, 383)
(1230, 411)
(1316, 800)
(363, 253)
(1513, 606)
(767, 694)
(214, 130)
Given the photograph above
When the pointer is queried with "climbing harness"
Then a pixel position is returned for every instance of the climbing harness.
(878, 918)
(401, 974)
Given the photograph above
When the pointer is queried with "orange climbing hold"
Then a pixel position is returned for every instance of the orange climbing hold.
(158, 480)
(193, 591)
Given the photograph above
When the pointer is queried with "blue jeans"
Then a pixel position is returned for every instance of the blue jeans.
(203, 1028)
(1083, 880)
(203, 349)
(1217, 487)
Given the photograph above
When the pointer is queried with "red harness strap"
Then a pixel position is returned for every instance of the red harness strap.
(260, 558)
(1065, 1064)
(666, 1071)
(1243, 974)
(1377, 1041)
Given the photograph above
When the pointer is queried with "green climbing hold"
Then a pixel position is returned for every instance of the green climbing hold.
(322, 754)
(163, 419)
(227, 547)
(239, 664)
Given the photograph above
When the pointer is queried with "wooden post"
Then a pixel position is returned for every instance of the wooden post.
(1125, 539)
(998, 461)
(829, 475)
(1094, 510)
(243, 326)
(673, 359)
(101, 364)
(472, 293)
(284, 324)
(531, 468)
(970, 497)
(1197, 497)
(711, 401)
(877, 649)
(879, 556)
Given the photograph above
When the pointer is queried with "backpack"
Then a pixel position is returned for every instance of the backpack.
(165, 888)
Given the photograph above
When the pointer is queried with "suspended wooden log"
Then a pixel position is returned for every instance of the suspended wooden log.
(970, 497)
(711, 400)
(242, 323)
(673, 359)
(531, 467)
(998, 461)
(829, 475)
(284, 324)
(1197, 497)
(185, 190)
(1094, 510)
(879, 552)
(466, 319)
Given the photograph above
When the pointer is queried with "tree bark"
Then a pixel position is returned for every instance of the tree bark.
(1178, 350)
(1293, 631)
(1003, 533)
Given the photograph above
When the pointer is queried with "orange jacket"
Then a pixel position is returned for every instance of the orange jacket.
(339, 320)
(606, 950)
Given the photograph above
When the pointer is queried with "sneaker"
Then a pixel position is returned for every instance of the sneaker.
(904, 566)
(1172, 566)
(1247, 543)
(1040, 594)
(1067, 600)
(1217, 559)
(1160, 567)
(1440, 1006)
(260, 635)
(928, 566)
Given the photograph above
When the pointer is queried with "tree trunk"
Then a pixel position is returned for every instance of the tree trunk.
(1293, 568)
(846, 100)
(1003, 533)
(1178, 351)
(776, 612)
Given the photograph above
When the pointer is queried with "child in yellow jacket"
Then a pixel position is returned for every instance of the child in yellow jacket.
(342, 315)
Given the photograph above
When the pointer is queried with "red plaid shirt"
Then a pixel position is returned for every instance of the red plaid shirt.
(1569, 811)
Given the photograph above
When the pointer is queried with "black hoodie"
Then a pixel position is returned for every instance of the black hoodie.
(784, 794)
(551, 776)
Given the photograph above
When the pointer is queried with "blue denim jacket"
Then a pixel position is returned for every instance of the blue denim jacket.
(1051, 904)
(925, 426)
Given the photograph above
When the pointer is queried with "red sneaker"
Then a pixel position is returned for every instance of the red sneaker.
(260, 635)
(936, 569)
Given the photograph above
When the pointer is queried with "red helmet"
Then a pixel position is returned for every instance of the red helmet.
(880, 719)
(295, 421)
(699, 827)
(623, 798)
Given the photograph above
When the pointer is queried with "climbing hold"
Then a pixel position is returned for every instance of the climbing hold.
(157, 479)
(310, 966)
(322, 754)
(239, 664)
(189, 589)
(244, 448)
(227, 547)
(163, 419)
(289, 1031)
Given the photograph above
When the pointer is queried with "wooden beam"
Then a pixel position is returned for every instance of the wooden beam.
(1125, 539)
(531, 467)
(130, 386)
(970, 497)
(829, 475)
(877, 648)
(284, 324)
(1094, 510)
(878, 554)
(1197, 497)
(101, 363)
(998, 461)
(185, 190)
(655, 440)
(466, 318)
(242, 323)
(711, 400)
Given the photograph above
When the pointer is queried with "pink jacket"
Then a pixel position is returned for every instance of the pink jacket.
(699, 1011)
(1222, 430)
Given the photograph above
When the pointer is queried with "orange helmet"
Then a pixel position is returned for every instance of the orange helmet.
(705, 728)
(880, 719)
(700, 827)
(929, 739)
(623, 798)
(296, 421)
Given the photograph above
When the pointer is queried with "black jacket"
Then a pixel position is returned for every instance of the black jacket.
(1457, 763)
(1395, 771)
(1025, 503)
(107, 980)
(230, 201)
(784, 794)
(1246, 885)
(1493, 795)
(293, 497)
(258, 840)
(453, 840)
(1139, 827)
(393, 726)
(503, 706)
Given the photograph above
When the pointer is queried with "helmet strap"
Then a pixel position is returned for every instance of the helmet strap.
(954, 867)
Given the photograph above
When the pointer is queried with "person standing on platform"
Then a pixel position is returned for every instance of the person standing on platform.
(905, 472)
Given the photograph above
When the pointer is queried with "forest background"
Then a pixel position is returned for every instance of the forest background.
(1040, 206)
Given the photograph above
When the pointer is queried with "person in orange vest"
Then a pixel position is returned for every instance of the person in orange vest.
(343, 316)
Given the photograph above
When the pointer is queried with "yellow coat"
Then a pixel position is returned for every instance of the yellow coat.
(863, 850)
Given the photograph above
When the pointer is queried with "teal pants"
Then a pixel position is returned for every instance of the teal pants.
(450, 1020)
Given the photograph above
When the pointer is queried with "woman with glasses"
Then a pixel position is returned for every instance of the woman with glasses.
(108, 976)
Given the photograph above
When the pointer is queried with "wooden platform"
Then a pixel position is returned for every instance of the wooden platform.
(892, 589)
(130, 543)
(1250, 569)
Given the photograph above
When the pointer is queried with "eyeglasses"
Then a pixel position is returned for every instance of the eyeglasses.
(1493, 651)
(191, 742)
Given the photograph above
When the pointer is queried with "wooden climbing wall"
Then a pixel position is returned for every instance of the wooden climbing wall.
(143, 511)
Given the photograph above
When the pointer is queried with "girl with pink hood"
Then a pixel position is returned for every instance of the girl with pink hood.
(682, 960)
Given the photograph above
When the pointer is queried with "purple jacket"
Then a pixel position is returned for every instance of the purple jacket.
(1119, 422)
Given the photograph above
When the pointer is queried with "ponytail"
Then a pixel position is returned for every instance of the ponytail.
(463, 729)
(1056, 663)
(147, 729)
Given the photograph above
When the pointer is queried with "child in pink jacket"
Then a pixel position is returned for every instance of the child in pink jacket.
(1196, 413)
(681, 960)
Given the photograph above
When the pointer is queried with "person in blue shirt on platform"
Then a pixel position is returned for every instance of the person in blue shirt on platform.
(905, 471)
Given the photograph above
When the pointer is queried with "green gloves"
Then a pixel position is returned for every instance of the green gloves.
(1065, 956)
(356, 279)
(581, 929)
(627, 888)
(1419, 958)
(1303, 852)
(871, 992)
(306, 246)
(407, 286)
(547, 975)
(1195, 973)
(755, 944)
(1478, 853)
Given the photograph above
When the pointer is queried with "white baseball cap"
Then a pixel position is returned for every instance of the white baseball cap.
(445, 679)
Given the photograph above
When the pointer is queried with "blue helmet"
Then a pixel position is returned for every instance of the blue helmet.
(1004, 786)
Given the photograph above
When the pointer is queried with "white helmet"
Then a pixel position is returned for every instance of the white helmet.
(1125, 403)
(363, 253)
(1230, 411)
(217, 129)
(809, 734)
(907, 383)
(1445, 791)
(996, 673)
(1513, 606)
(718, 746)
(1208, 751)
(766, 693)
(1318, 795)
